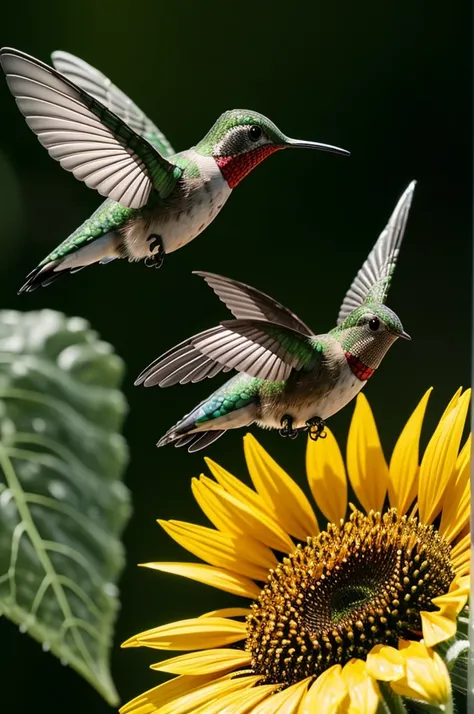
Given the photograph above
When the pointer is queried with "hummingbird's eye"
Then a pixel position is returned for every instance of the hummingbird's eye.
(255, 133)
(374, 324)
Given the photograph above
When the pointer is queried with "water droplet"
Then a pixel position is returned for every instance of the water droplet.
(46, 646)
(23, 628)
(69, 356)
(57, 490)
(7, 429)
(5, 498)
(76, 324)
(110, 589)
(39, 425)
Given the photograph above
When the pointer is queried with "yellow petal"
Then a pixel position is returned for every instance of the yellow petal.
(228, 612)
(192, 634)
(461, 556)
(462, 546)
(245, 556)
(208, 574)
(463, 565)
(457, 502)
(363, 690)
(368, 470)
(285, 702)
(232, 515)
(326, 694)
(441, 624)
(238, 702)
(457, 595)
(283, 497)
(208, 694)
(404, 464)
(426, 677)
(157, 697)
(452, 403)
(439, 460)
(436, 627)
(205, 662)
(385, 663)
(236, 487)
(327, 476)
(464, 455)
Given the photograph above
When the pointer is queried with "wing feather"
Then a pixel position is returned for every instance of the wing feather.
(100, 87)
(262, 349)
(247, 303)
(259, 348)
(372, 282)
(84, 135)
(182, 364)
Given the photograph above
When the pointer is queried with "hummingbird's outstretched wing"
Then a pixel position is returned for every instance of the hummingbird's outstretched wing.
(262, 349)
(187, 363)
(84, 136)
(372, 282)
(101, 88)
(246, 302)
(183, 364)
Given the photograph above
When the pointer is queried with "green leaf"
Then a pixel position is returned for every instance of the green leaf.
(63, 505)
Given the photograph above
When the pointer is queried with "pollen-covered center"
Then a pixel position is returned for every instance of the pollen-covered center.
(351, 587)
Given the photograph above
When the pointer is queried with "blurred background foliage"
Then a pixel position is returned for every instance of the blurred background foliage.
(389, 81)
(63, 506)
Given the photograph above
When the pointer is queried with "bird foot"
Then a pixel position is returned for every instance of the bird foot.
(287, 427)
(315, 427)
(156, 259)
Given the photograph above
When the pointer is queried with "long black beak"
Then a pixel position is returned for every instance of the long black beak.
(297, 144)
(405, 335)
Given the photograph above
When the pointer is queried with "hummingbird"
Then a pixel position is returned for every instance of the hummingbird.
(156, 200)
(288, 378)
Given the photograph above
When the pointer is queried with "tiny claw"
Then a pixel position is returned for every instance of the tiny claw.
(287, 427)
(155, 260)
(315, 427)
(315, 435)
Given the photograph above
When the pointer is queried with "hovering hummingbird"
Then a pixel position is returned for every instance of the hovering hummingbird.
(290, 379)
(157, 200)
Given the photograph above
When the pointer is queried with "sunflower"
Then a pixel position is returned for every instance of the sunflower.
(344, 617)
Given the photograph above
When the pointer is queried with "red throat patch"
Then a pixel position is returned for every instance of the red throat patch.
(235, 168)
(358, 368)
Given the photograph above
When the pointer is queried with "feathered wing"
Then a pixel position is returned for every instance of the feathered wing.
(183, 364)
(247, 303)
(262, 349)
(372, 282)
(85, 136)
(204, 354)
(97, 85)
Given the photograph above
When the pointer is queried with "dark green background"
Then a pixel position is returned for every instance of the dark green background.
(391, 82)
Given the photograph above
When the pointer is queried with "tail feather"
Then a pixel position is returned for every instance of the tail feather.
(42, 276)
(200, 440)
(100, 250)
(232, 406)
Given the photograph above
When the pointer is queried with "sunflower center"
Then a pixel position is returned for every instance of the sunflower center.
(345, 599)
(353, 586)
